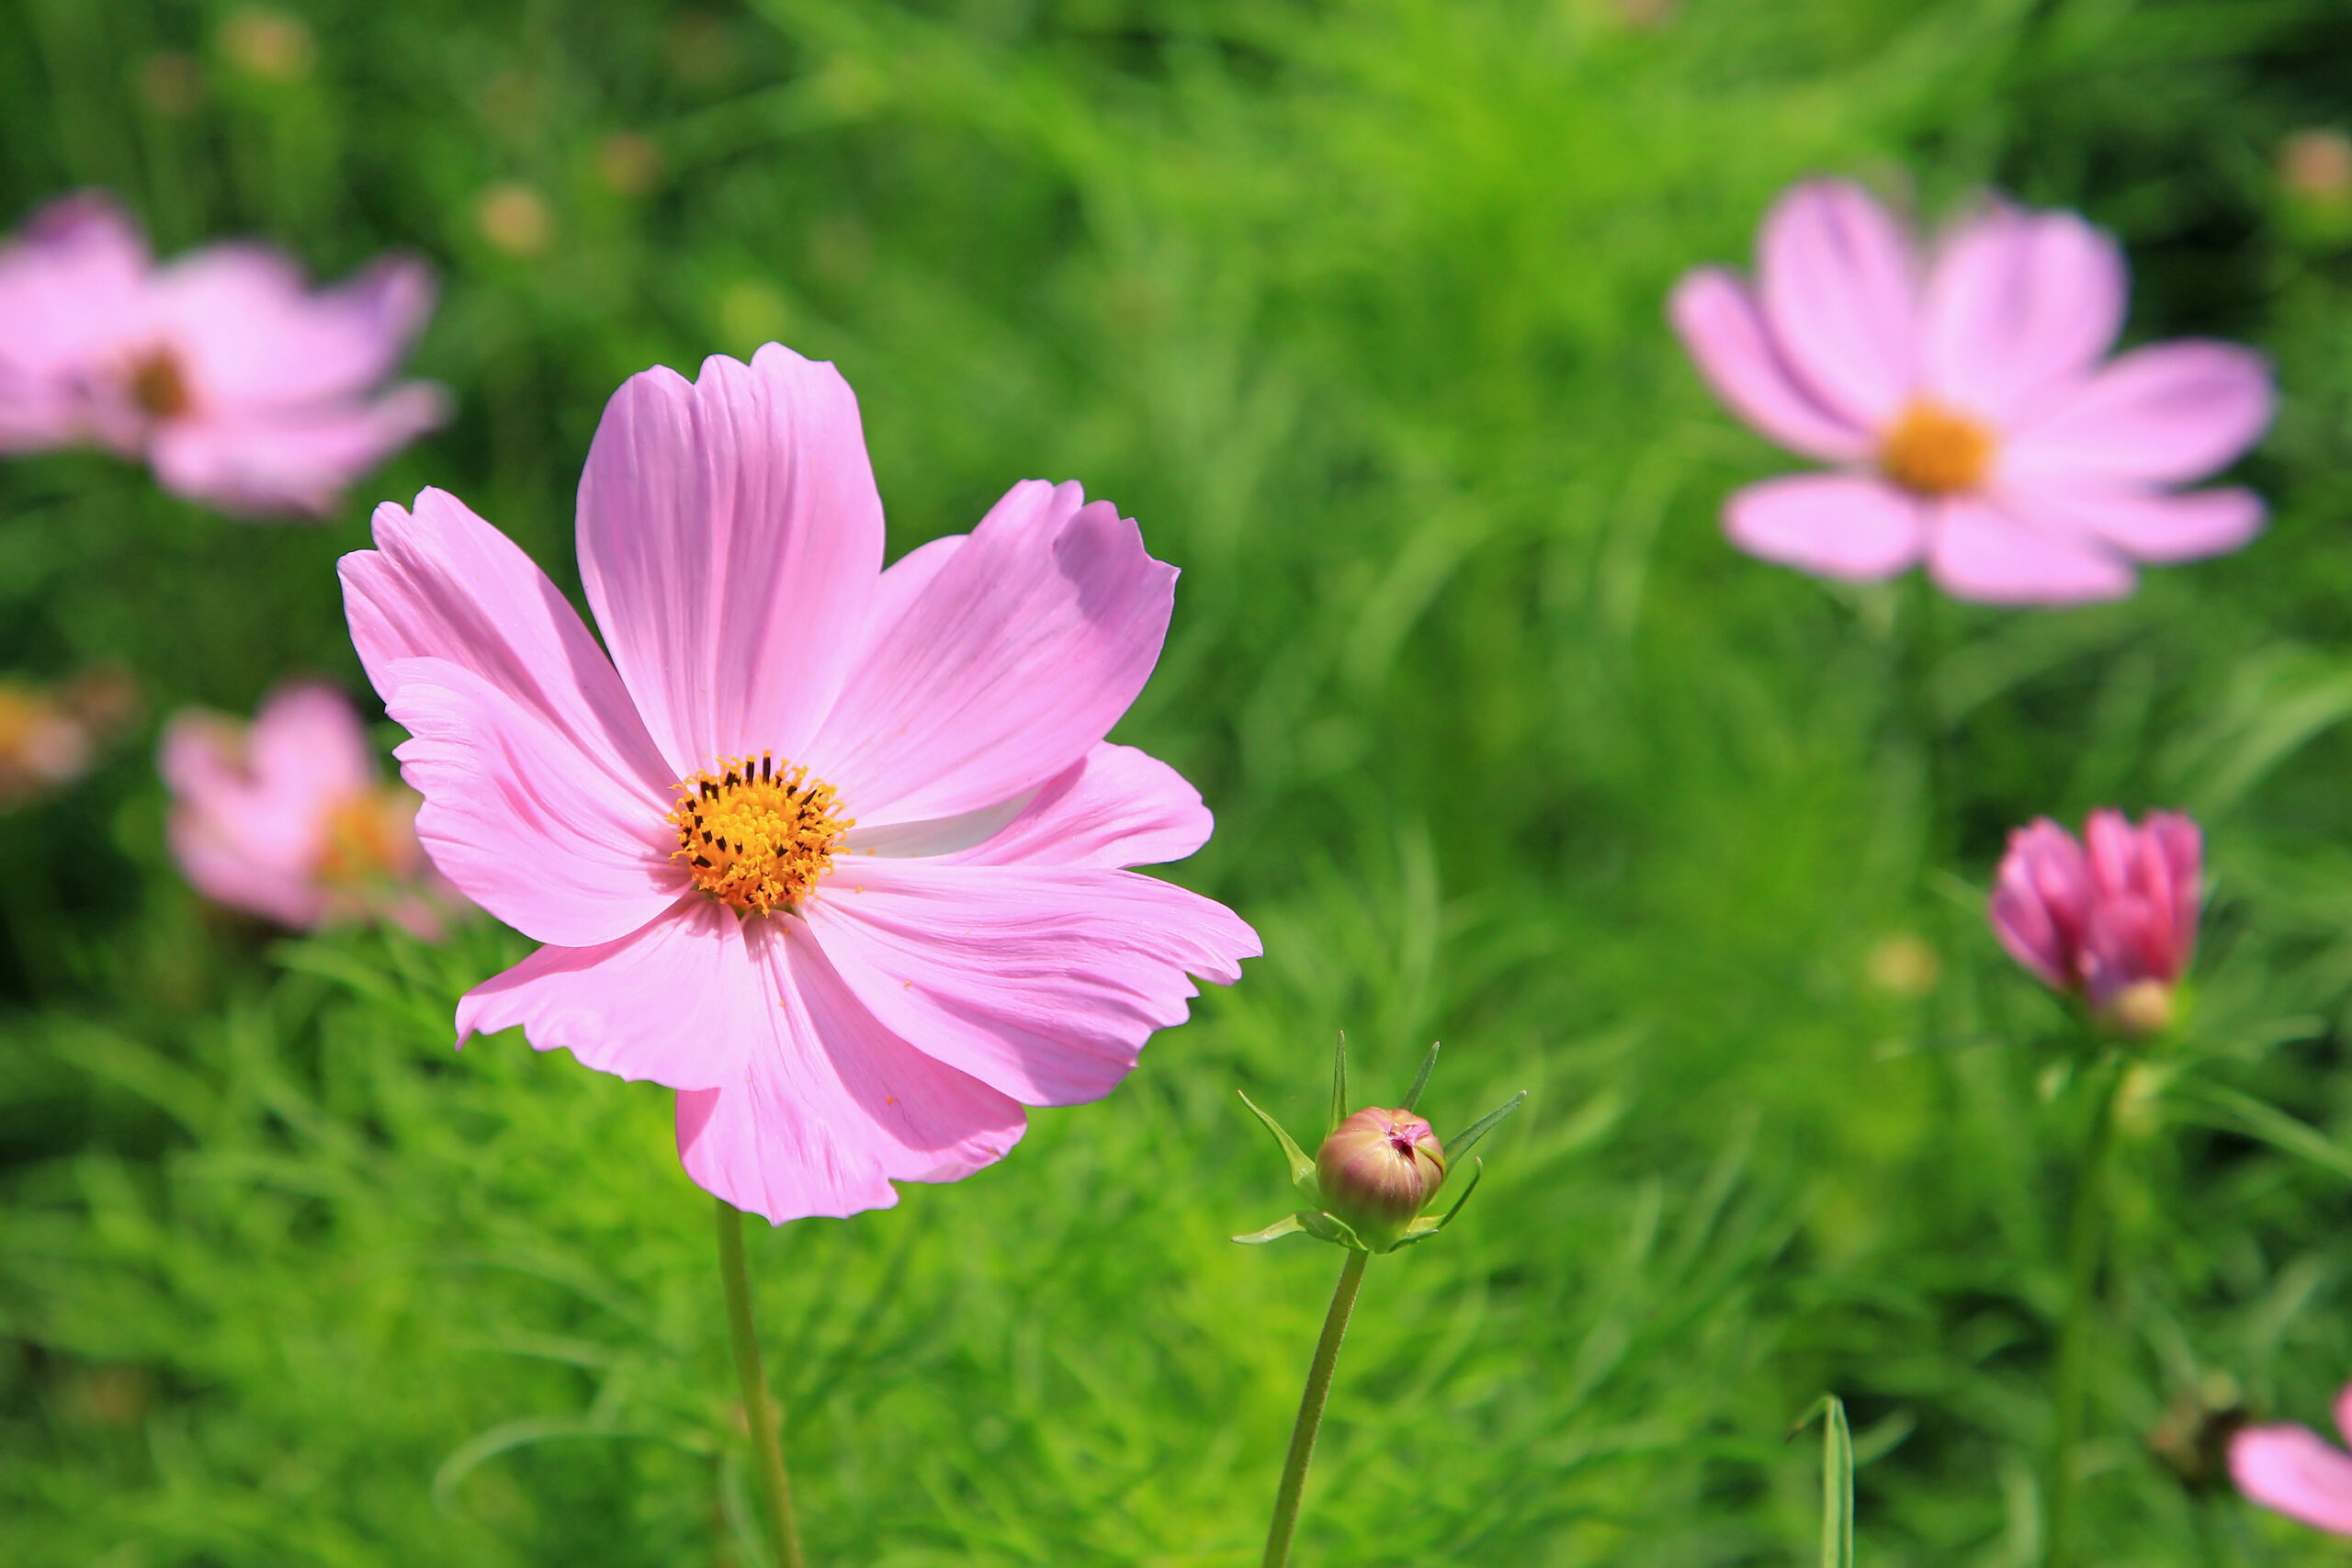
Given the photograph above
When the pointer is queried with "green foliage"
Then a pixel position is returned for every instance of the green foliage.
(1357, 308)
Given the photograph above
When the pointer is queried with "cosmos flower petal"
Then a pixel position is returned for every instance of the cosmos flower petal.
(677, 1001)
(2041, 900)
(1837, 275)
(2168, 414)
(1721, 327)
(1843, 525)
(1118, 807)
(563, 852)
(442, 583)
(731, 538)
(253, 809)
(1043, 982)
(69, 282)
(254, 334)
(2151, 525)
(293, 461)
(2016, 302)
(833, 1107)
(1015, 656)
(1982, 552)
(2296, 1471)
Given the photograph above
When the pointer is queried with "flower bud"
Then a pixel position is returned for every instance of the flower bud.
(1377, 1170)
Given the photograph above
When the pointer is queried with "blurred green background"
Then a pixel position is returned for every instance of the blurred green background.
(1356, 305)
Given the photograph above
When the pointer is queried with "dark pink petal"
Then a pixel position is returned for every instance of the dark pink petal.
(2164, 415)
(1981, 552)
(1021, 651)
(254, 338)
(1840, 291)
(729, 539)
(562, 853)
(1842, 526)
(2179, 846)
(1043, 983)
(266, 462)
(2149, 525)
(1724, 334)
(2041, 901)
(2294, 1471)
(70, 292)
(442, 583)
(1118, 807)
(833, 1107)
(676, 1001)
(2018, 302)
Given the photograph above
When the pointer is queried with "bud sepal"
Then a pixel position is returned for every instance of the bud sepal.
(1375, 1170)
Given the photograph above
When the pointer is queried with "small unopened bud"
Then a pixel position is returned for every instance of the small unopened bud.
(2141, 1008)
(1377, 1171)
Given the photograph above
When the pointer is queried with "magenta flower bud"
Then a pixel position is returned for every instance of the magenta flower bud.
(1377, 1170)
(2111, 918)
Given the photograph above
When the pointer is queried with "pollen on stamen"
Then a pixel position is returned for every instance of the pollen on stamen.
(757, 838)
(1934, 450)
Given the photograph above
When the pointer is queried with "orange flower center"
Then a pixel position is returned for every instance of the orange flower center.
(1933, 450)
(157, 385)
(370, 838)
(757, 836)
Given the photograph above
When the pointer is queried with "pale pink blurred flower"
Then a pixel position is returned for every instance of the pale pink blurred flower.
(242, 387)
(2112, 917)
(289, 818)
(1963, 394)
(2295, 1471)
(832, 851)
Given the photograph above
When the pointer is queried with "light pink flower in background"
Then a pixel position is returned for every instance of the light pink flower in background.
(238, 384)
(833, 851)
(2111, 917)
(1963, 394)
(2295, 1471)
(289, 817)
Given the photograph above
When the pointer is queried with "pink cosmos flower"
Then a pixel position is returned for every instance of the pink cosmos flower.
(834, 851)
(1965, 396)
(242, 388)
(289, 819)
(2295, 1471)
(2112, 918)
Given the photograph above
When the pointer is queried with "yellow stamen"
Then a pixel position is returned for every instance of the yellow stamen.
(1934, 450)
(158, 386)
(370, 838)
(756, 835)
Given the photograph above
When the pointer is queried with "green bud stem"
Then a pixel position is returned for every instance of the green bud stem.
(1310, 1411)
(2084, 1241)
(767, 1443)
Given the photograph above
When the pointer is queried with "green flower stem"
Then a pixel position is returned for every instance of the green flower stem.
(1310, 1411)
(2085, 1235)
(767, 1442)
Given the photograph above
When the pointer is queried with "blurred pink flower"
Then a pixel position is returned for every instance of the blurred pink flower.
(2296, 1471)
(242, 388)
(2112, 917)
(289, 819)
(1964, 397)
(832, 851)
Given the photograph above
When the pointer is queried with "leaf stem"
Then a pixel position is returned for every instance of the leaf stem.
(1310, 1411)
(767, 1442)
(2086, 1233)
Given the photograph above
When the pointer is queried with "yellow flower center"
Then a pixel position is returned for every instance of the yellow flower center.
(158, 387)
(755, 835)
(370, 838)
(1933, 450)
